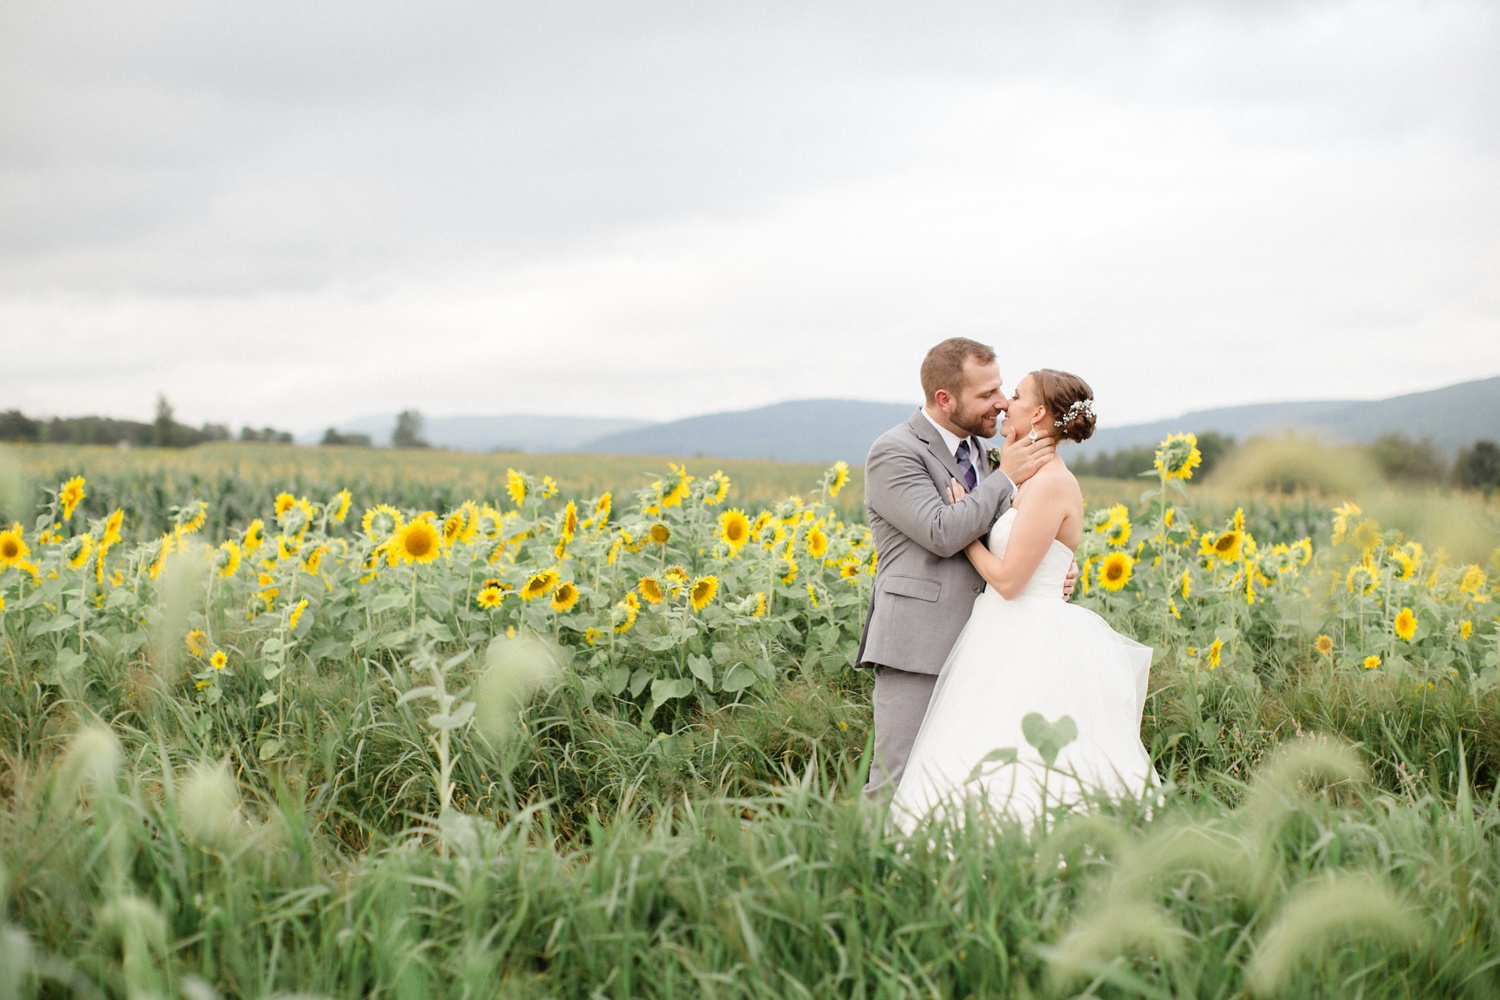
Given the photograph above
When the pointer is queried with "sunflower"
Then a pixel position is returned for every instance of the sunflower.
(569, 526)
(13, 547)
(789, 567)
(760, 605)
(1367, 536)
(112, 525)
(560, 550)
(734, 530)
(1362, 578)
(1406, 566)
(839, 478)
(1341, 517)
(381, 521)
(218, 661)
(71, 495)
(624, 614)
(1324, 645)
(254, 533)
(1465, 630)
(1406, 624)
(1371, 662)
(675, 578)
(1178, 456)
(85, 549)
(1214, 653)
(650, 589)
(228, 559)
(564, 597)
(1303, 551)
(816, 542)
(602, 507)
(590, 635)
(196, 642)
(812, 595)
(703, 591)
(614, 552)
(284, 503)
(314, 559)
(539, 584)
(296, 615)
(1116, 571)
(515, 485)
(716, 488)
(453, 527)
(1471, 583)
(418, 542)
(338, 507)
(660, 534)
(196, 521)
(1227, 545)
(849, 569)
(1117, 531)
(1187, 584)
(168, 545)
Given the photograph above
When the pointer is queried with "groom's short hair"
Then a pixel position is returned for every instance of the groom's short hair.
(943, 368)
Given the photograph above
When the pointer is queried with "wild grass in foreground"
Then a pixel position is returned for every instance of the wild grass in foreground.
(138, 875)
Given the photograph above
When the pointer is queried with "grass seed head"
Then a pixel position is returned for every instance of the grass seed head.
(1119, 926)
(1319, 916)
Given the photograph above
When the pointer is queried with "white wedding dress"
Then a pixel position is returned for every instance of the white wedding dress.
(1033, 653)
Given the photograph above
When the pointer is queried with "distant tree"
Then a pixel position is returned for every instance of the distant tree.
(408, 432)
(333, 437)
(1478, 466)
(164, 427)
(1403, 460)
(1214, 447)
(214, 432)
(16, 426)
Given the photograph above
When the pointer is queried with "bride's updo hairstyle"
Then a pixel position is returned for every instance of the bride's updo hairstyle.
(1070, 401)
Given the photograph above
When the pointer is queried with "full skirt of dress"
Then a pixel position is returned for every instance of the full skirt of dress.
(1040, 654)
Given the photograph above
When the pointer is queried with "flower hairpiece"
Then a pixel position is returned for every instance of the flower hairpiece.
(1079, 406)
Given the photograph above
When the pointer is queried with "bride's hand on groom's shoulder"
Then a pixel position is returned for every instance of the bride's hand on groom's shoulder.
(1070, 581)
(1020, 459)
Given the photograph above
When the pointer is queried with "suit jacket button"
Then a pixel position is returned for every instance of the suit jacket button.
(978, 588)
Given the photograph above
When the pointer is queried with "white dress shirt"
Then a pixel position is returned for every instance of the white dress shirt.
(976, 452)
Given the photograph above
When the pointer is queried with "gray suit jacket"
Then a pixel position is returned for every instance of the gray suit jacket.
(924, 584)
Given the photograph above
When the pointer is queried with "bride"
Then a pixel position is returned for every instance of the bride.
(1025, 650)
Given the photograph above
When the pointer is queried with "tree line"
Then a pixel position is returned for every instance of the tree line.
(166, 432)
(1399, 458)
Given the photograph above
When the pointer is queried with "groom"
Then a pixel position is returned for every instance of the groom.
(924, 584)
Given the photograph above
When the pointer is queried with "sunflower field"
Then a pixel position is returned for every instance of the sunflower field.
(574, 740)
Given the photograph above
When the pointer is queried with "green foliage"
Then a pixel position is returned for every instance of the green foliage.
(1478, 467)
(377, 793)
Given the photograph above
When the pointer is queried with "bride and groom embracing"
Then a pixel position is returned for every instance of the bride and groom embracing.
(970, 630)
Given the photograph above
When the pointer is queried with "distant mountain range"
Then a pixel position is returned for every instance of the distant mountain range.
(1453, 417)
(826, 430)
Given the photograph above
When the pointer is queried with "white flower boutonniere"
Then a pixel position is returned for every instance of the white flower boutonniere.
(993, 454)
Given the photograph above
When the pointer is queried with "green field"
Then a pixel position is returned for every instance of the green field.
(310, 758)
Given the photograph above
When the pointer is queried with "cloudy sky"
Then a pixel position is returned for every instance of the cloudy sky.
(304, 212)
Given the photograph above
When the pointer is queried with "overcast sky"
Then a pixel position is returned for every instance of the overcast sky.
(299, 213)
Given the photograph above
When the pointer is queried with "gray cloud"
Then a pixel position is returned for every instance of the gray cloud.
(296, 213)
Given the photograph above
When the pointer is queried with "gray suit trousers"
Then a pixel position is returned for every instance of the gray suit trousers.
(900, 703)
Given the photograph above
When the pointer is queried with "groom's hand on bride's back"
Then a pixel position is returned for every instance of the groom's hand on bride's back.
(1020, 459)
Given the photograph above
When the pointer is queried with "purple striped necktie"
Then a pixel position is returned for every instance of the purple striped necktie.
(971, 478)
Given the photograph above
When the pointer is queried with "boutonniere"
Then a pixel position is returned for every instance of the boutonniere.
(993, 454)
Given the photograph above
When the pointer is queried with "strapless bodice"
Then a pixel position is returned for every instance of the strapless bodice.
(1050, 574)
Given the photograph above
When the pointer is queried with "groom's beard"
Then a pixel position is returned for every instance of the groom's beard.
(982, 422)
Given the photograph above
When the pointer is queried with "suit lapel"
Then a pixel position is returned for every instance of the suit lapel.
(928, 435)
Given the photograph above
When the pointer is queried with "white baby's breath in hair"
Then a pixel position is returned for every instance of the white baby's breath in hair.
(1079, 406)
